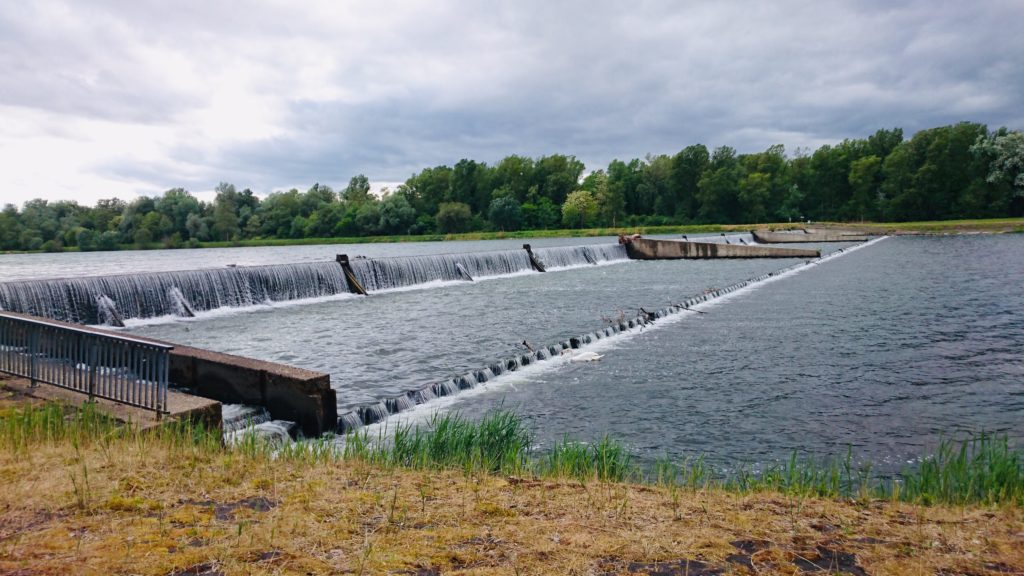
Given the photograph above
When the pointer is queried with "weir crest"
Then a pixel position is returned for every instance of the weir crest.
(114, 298)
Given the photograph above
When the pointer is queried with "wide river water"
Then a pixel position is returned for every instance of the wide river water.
(884, 348)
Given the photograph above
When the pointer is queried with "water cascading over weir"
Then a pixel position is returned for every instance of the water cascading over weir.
(112, 299)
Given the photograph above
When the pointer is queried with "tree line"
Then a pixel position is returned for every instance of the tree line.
(957, 171)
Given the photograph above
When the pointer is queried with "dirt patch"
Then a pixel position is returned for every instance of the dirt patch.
(683, 567)
(204, 569)
(227, 512)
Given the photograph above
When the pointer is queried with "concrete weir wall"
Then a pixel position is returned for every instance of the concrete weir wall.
(646, 249)
(767, 237)
(287, 392)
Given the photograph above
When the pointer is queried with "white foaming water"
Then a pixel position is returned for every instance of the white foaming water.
(201, 315)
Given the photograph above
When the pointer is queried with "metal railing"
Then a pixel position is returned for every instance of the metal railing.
(101, 365)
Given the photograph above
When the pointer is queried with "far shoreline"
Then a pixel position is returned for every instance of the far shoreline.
(939, 227)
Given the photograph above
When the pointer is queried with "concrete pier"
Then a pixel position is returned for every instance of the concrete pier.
(768, 237)
(287, 392)
(646, 249)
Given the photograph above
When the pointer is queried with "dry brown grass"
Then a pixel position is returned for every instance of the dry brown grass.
(143, 507)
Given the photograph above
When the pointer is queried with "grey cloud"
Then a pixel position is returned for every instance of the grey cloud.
(425, 84)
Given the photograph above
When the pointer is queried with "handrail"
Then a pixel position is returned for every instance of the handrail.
(120, 368)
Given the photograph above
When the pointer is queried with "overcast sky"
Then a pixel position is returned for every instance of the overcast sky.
(101, 99)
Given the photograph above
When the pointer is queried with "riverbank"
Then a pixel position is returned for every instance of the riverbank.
(83, 496)
(994, 226)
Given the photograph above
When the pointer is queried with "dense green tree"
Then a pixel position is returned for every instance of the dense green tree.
(611, 206)
(579, 209)
(754, 194)
(541, 214)
(865, 179)
(515, 173)
(556, 176)
(688, 167)
(1003, 153)
(718, 188)
(368, 217)
(357, 191)
(396, 214)
(453, 217)
(505, 213)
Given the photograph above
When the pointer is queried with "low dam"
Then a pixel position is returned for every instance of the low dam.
(112, 299)
(800, 236)
(647, 249)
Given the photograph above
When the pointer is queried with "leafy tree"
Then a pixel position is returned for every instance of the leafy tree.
(718, 187)
(368, 218)
(556, 176)
(108, 241)
(1003, 152)
(623, 181)
(579, 209)
(469, 184)
(177, 204)
(197, 227)
(688, 167)
(541, 214)
(396, 214)
(864, 178)
(428, 189)
(755, 190)
(611, 206)
(515, 173)
(357, 191)
(505, 213)
(225, 212)
(453, 217)
(11, 228)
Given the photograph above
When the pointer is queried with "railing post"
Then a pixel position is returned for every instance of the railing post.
(92, 369)
(33, 350)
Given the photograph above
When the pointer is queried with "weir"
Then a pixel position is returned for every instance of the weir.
(769, 237)
(647, 249)
(113, 299)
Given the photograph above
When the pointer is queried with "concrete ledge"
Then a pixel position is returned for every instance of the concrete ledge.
(287, 392)
(646, 249)
(180, 406)
(768, 237)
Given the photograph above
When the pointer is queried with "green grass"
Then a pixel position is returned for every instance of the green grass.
(984, 469)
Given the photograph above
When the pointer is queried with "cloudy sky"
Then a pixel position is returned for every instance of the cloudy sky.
(101, 99)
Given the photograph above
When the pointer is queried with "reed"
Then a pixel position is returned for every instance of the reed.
(499, 443)
(984, 469)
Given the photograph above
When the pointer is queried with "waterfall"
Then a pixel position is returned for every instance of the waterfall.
(109, 299)
(92, 300)
(566, 256)
(400, 271)
(236, 417)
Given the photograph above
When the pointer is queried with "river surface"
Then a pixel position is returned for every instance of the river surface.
(882, 348)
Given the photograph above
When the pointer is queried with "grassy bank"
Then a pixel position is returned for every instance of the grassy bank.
(85, 496)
